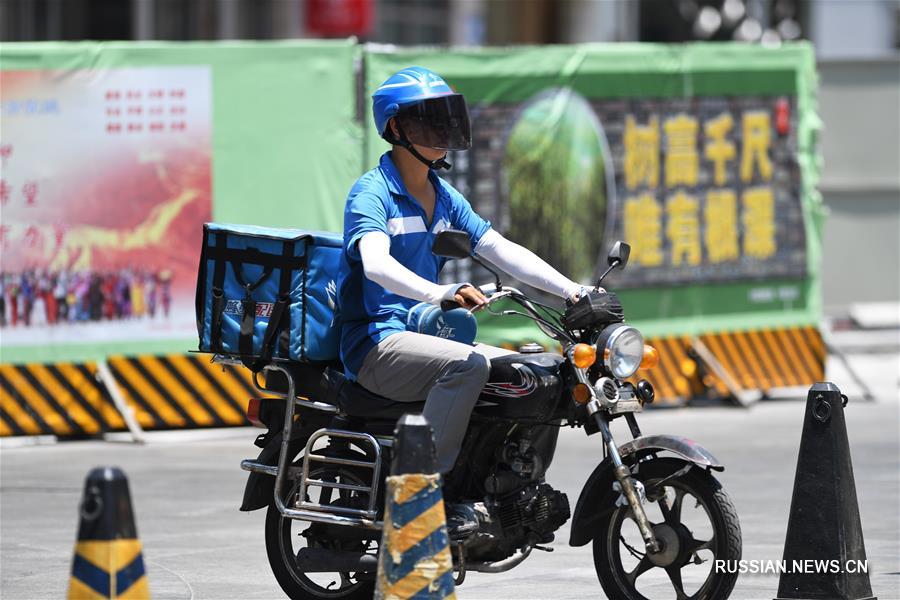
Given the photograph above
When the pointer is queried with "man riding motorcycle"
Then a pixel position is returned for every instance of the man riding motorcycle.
(391, 217)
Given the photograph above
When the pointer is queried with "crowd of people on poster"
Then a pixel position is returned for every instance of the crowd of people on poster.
(55, 298)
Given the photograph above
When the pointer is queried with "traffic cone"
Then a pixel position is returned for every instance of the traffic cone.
(108, 562)
(414, 557)
(824, 553)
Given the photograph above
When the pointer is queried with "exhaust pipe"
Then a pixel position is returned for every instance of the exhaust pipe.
(323, 560)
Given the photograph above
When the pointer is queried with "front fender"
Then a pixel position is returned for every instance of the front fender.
(680, 446)
(593, 503)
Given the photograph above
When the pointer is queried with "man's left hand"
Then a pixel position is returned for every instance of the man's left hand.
(470, 297)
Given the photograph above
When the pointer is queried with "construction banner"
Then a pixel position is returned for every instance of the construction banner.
(115, 154)
(101, 225)
(702, 157)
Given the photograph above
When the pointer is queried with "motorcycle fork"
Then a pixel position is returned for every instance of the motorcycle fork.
(623, 476)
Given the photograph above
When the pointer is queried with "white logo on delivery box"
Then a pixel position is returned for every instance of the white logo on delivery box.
(235, 307)
(331, 291)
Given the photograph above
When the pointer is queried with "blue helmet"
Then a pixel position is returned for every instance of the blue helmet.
(429, 113)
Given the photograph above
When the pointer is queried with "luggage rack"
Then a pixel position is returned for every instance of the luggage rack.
(225, 359)
(305, 510)
(375, 465)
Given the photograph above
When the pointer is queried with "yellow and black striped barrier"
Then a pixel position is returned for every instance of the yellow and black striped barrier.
(63, 399)
(180, 391)
(763, 360)
(414, 557)
(183, 391)
(108, 561)
(68, 400)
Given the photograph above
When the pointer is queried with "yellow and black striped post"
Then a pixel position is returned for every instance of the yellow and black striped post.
(414, 557)
(108, 560)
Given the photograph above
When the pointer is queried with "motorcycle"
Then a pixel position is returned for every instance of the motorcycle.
(651, 506)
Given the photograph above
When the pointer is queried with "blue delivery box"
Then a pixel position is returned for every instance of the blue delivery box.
(268, 293)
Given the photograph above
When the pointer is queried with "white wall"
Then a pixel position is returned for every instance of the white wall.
(853, 28)
(859, 103)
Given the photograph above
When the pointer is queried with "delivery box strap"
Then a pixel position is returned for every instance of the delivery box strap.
(250, 287)
(254, 256)
(280, 313)
(218, 301)
(284, 287)
(287, 263)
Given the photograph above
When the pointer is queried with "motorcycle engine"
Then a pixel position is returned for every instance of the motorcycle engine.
(533, 513)
(526, 517)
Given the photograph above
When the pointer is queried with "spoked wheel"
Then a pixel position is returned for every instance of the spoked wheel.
(285, 538)
(695, 522)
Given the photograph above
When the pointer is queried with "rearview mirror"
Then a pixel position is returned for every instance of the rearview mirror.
(452, 243)
(618, 256)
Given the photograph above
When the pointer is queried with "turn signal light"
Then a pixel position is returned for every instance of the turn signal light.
(650, 358)
(581, 393)
(584, 355)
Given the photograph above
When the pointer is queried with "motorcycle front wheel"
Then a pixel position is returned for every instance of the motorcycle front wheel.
(697, 524)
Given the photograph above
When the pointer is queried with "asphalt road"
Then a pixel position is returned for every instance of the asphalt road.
(186, 488)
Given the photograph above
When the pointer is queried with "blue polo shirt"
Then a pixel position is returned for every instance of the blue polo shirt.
(379, 202)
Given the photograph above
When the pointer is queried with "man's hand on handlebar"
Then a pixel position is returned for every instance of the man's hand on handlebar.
(585, 290)
(470, 297)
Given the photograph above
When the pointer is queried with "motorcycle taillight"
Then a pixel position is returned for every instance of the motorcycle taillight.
(253, 413)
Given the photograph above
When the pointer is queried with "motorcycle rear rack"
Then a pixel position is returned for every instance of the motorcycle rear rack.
(364, 440)
(311, 511)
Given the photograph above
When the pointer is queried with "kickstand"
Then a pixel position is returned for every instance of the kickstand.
(461, 558)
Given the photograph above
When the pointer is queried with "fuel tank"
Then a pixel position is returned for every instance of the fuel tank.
(522, 386)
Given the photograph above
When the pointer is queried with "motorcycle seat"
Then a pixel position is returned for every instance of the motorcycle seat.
(329, 384)
(357, 401)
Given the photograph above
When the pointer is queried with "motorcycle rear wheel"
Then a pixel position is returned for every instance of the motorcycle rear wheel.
(280, 533)
(620, 562)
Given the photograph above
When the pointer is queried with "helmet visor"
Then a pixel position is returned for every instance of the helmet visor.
(441, 122)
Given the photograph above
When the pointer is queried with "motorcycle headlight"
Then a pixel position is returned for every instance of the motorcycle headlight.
(622, 348)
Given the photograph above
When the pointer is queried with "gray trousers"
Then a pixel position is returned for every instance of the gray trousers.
(447, 375)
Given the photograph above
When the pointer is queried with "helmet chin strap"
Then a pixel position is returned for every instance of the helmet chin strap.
(440, 163)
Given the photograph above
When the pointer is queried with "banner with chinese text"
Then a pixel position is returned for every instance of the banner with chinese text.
(702, 157)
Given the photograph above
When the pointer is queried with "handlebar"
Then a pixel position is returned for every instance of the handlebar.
(551, 330)
(489, 290)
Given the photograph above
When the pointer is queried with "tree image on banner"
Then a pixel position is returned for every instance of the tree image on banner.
(556, 165)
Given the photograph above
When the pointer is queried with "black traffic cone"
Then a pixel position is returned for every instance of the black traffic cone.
(824, 553)
(108, 560)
